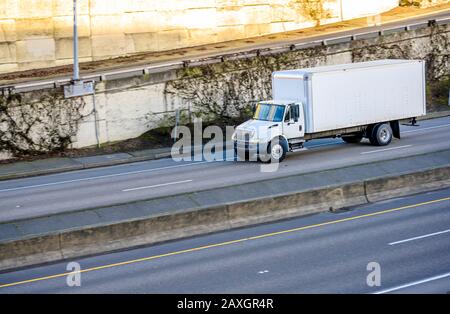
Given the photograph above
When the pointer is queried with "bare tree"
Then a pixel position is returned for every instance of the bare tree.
(313, 9)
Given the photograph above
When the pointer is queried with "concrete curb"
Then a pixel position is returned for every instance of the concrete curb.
(435, 115)
(102, 238)
(81, 166)
(162, 153)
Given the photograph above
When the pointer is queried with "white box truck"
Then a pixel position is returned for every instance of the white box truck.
(351, 101)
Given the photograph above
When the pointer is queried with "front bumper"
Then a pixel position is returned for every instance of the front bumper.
(252, 149)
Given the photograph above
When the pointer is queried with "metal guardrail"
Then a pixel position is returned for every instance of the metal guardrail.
(149, 69)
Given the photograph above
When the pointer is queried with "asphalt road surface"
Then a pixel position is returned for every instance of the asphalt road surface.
(408, 239)
(44, 195)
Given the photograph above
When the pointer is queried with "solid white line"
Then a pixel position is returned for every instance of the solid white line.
(156, 186)
(386, 149)
(415, 283)
(429, 128)
(419, 237)
(101, 177)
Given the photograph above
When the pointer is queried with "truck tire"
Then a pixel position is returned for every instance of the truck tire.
(277, 150)
(381, 135)
(353, 139)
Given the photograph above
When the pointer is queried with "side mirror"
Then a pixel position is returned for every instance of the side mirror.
(253, 109)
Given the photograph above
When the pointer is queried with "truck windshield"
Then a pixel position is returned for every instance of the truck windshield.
(269, 112)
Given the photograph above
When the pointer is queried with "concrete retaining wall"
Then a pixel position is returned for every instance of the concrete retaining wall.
(38, 33)
(102, 238)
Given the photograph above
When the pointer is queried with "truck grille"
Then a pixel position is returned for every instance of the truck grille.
(243, 135)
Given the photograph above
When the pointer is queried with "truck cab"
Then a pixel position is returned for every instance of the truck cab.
(276, 127)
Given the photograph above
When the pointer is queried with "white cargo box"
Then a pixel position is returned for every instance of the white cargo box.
(347, 95)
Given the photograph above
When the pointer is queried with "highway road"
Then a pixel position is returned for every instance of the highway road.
(44, 195)
(408, 238)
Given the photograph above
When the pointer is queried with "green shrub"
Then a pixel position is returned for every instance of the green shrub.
(410, 3)
(438, 92)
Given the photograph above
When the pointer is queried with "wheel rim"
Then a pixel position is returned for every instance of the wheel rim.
(277, 151)
(384, 135)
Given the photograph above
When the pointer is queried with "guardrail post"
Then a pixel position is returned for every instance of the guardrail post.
(8, 90)
(177, 121)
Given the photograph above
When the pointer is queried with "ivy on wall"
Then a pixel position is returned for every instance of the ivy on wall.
(36, 124)
(225, 92)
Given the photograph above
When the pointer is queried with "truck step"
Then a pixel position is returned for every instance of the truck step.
(294, 150)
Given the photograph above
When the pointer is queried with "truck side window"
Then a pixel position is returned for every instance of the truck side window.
(287, 118)
(293, 113)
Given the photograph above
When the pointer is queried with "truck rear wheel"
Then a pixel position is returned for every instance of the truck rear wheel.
(353, 139)
(381, 135)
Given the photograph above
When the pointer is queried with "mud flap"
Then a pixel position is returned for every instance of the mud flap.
(395, 126)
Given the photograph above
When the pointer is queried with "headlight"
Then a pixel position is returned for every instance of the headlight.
(253, 137)
(242, 135)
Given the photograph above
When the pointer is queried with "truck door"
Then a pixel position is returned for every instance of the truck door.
(293, 122)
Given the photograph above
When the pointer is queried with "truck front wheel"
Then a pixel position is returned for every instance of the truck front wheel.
(276, 150)
(381, 135)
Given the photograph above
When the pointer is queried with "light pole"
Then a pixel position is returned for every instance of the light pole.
(77, 87)
(76, 69)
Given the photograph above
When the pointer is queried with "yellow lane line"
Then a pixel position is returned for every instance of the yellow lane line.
(226, 243)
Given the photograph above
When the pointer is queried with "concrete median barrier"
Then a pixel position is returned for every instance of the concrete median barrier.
(30, 251)
(125, 234)
(201, 219)
(142, 231)
(406, 184)
(292, 205)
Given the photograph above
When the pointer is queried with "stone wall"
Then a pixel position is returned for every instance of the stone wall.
(38, 33)
(38, 122)
(129, 107)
